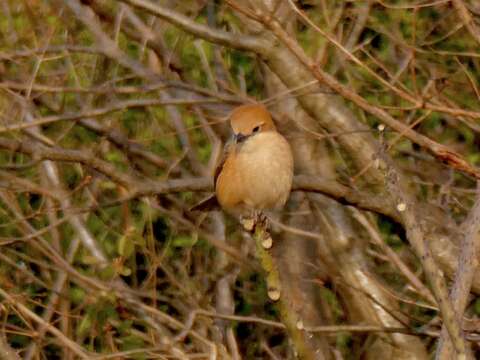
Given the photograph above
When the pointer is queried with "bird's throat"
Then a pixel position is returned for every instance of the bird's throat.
(241, 138)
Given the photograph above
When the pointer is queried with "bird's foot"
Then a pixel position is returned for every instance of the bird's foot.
(257, 218)
(261, 219)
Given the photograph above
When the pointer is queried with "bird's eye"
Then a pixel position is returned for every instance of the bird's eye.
(256, 128)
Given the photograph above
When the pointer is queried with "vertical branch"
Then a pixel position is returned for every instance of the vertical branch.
(289, 316)
(467, 264)
(407, 207)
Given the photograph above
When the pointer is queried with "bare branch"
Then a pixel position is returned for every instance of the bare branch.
(407, 207)
(57, 333)
(122, 105)
(467, 19)
(467, 264)
(236, 41)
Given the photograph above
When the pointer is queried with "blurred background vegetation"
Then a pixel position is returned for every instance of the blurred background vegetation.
(112, 119)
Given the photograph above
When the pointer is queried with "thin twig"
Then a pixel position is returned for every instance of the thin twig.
(57, 333)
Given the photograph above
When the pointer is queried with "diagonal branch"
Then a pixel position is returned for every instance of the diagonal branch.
(72, 345)
(236, 41)
(467, 19)
(408, 209)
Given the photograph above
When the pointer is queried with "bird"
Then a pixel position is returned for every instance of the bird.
(255, 172)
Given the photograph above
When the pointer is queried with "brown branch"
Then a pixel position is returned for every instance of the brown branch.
(394, 258)
(77, 349)
(326, 329)
(117, 106)
(346, 195)
(110, 87)
(236, 41)
(28, 53)
(123, 142)
(86, 157)
(106, 45)
(467, 19)
(408, 209)
(335, 329)
(467, 264)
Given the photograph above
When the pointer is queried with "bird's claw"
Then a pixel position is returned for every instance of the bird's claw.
(257, 218)
(261, 219)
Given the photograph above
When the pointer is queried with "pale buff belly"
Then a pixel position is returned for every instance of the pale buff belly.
(265, 171)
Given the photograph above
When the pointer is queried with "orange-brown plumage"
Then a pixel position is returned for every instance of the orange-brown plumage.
(257, 170)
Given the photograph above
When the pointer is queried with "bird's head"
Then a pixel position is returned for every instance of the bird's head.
(248, 120)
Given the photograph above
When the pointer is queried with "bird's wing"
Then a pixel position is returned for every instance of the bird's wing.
(228, 148)
(211, 202)
(208, 204)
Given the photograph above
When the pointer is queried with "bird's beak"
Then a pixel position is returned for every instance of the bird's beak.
(240, 138)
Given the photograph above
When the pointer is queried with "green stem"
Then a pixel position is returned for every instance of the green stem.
(289, 316)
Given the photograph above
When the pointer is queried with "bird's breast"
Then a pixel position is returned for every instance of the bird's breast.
(264, 167)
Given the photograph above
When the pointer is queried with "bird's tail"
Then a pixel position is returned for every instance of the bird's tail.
(208, 204)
